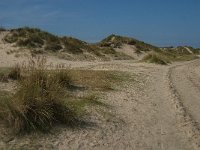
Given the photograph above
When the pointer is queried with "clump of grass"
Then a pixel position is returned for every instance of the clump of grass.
(15, 73)
(9, 73)
(40, 100)
(4, 74)
(63, 77)
(156, 58)
(3, 77)
(4, 99)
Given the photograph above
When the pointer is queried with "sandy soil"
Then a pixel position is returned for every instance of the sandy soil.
(159, 110)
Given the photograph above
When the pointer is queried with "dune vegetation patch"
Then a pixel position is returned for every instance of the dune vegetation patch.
(99, 80)
(156, 58)
(39, 42)
(117, 41)
(44, 98)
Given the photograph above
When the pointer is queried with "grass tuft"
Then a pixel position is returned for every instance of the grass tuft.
(15, 73)
(40, 100)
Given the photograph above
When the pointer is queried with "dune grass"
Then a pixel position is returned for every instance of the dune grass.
(44, 98)
(117, 41)
(41, 99)
(4, 74)
(156, 58)
(38, 102)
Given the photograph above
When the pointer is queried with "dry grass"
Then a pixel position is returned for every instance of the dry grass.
(186, 57)
(4, 74)
(45, 97)
(98, 80)
(41, 99)
(156, 58)
(35, 39)
(117, 41)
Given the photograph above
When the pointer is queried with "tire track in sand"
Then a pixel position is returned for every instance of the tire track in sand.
(184, 116)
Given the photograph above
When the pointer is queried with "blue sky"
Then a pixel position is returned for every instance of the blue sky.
(159, 22)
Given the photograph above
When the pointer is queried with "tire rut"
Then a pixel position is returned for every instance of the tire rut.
(185, 119)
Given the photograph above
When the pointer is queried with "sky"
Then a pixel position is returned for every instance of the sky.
(158, 22)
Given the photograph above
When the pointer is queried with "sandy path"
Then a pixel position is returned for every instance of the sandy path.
(185, 82)
(148, 115)
(148, 109)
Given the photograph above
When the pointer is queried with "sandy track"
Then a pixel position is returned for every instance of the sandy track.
(185, 84)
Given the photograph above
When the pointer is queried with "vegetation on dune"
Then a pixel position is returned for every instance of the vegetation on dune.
(181, 53)
(167, 56)
(10, 74)
(156, 58)
(41, 99)
(182, 50)
(31, 38)
(73, 45)
(38, 102)
(40, 41)
(116, 41)
(157, 55)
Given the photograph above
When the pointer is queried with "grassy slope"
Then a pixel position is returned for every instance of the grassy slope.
(40, 41)
(154, 54)
(117, 41)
